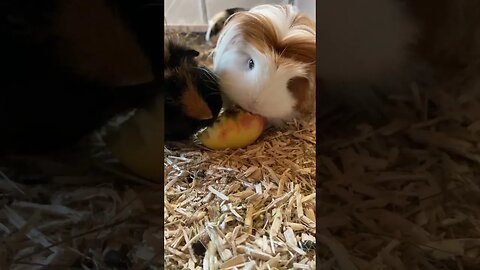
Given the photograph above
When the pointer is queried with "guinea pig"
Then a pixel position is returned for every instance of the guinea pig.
(387, 44)
(192, 95)
(265, 58)
(216, 23)
(63, 76)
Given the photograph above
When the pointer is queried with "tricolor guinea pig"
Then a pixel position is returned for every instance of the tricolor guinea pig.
(217, 22)
(265, 58)
(192, 92)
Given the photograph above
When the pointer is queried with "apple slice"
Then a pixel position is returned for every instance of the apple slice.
(233, 129)
(138, 143)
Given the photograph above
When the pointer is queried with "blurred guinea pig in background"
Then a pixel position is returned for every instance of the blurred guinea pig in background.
(68, 66)
(387, 44)
(265, 58)
(216, 23)
(192, 95)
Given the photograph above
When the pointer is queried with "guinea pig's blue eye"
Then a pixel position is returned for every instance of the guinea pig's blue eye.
(251, 64)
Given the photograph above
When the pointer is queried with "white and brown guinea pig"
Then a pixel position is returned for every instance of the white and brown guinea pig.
(386, 43)
(265, 59)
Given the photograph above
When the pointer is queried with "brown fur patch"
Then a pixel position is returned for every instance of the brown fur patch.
(98, 45)
(265, 39)
(297, 87)
(193, 103)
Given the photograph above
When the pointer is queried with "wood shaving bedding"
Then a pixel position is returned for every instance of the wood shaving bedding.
(404, 195)
(251, 208)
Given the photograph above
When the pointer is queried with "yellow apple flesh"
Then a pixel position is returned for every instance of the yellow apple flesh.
(233, 130)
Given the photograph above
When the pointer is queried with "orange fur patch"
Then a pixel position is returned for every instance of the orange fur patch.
(194, 105)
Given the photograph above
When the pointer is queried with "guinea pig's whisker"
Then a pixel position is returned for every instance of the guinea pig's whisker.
(209, 72)
(213, 78)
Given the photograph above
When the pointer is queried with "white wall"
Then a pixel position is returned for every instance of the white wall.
(197, 12)
(308, 7)
(214, 6)
(183, 12)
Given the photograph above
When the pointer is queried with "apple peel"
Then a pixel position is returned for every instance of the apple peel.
(233, 129)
